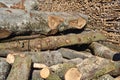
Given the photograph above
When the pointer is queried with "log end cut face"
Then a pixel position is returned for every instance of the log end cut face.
(2, 5)
(4, 33)
(73, 74)
(78, 23)
(54, 21)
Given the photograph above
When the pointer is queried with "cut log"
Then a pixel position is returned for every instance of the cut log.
(4, 69)
(46, 57)
(61, 69)
(73, 74)
(71, 54)
(20, 69)
(105, 52)
(94, 67)
(54, 42)
(44, 73)
(58, 69)
(36, 75)
(19, 22)
(21, 4)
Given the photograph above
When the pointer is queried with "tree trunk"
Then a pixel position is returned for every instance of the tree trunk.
(53, 42)
(47, 57)
(61, 69)
(26, 5)
(71, 54)
(94, 67)
(19, 22)
(105, 52)
(4, 69)
(20, 69)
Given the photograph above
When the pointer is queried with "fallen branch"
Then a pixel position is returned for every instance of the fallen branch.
(105, 52)
(20, 69)
(53, 42)
(71, 54)
(26, 5)
(98, 66)
(47, 57)
(19, 22)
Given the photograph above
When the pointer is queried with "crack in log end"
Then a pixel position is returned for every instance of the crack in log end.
(54, 21)
(4, 33)
(2, 5)
(116, 57)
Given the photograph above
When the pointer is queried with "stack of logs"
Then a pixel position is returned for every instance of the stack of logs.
(33, 46)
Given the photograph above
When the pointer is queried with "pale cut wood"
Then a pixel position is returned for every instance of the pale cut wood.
(4, 33)
(39, 65)
(26, 5)
(61, 69)
(94, 67)
(19, 22)
(72, 74)
(20, 69)
(45, 72)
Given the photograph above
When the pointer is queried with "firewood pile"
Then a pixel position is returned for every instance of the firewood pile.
(43, 45)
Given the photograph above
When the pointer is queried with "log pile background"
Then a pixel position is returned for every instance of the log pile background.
(60, 40)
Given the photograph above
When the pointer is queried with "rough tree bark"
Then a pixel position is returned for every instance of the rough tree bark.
(103, 51)
(36, 75)
(106, 77)
(4, 69)
(19, 22)
(94, 67)
(71, 54)
(54, 42)
(26, 5)
(47, 57)
(20, 69)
